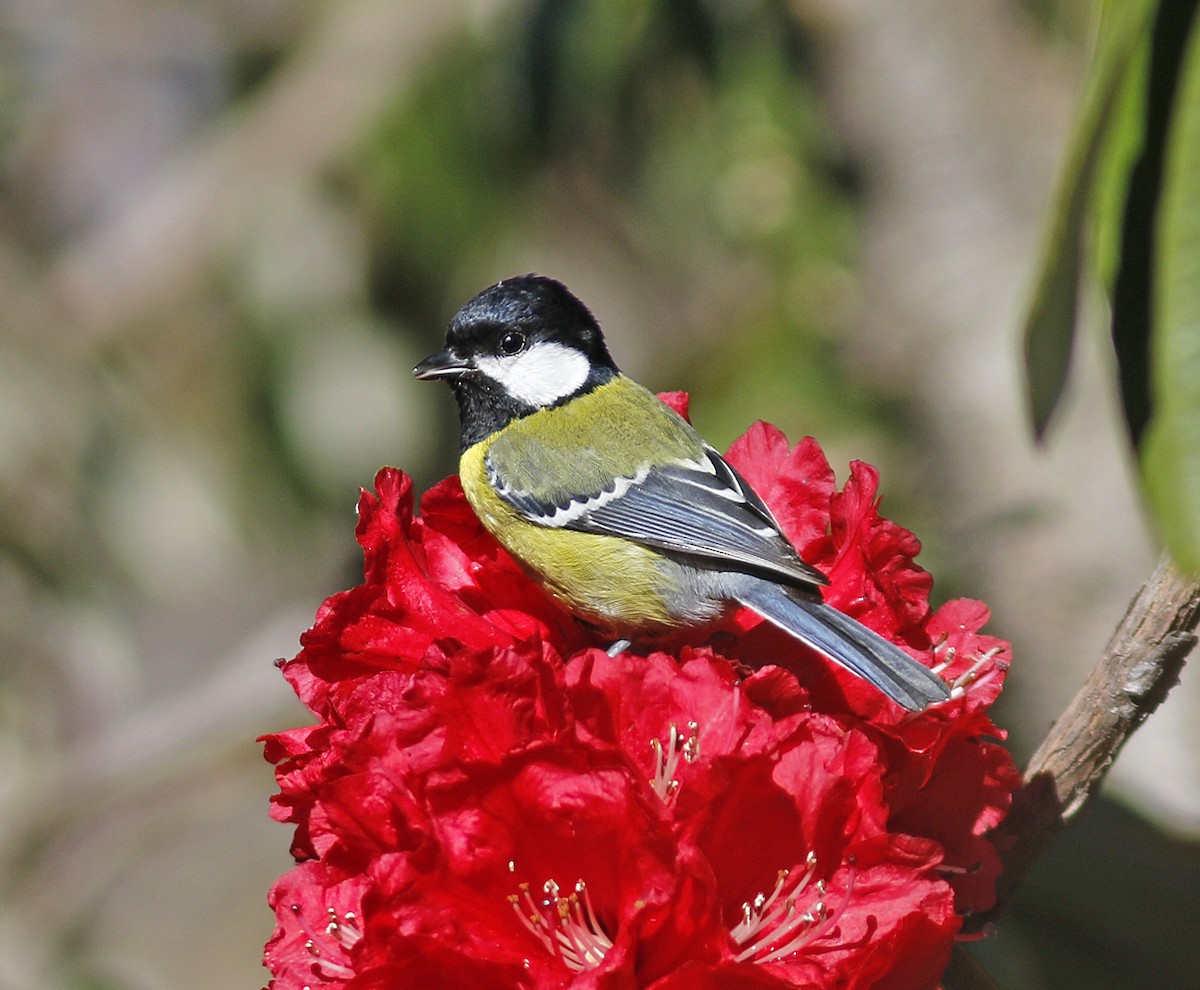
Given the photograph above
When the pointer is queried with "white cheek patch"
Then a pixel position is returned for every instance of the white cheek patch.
(540, 376)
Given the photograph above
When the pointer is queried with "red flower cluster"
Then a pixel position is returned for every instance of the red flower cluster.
(490, 801)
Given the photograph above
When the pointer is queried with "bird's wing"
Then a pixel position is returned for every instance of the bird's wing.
(698, 507)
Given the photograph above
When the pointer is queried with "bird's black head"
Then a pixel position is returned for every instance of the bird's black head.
(522, 345)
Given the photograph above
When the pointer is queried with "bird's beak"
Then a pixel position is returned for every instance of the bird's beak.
(443, 364)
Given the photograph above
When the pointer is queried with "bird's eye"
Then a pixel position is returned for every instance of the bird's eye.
(512, 342)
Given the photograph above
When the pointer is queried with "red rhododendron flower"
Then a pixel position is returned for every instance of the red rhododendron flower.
(490, 800)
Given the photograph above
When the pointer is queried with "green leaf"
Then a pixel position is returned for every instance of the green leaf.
(1050, 322)
(1134, 284)
(1124, 143)
(1171, 457)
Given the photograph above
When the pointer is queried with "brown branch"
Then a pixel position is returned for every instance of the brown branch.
(1140, 666)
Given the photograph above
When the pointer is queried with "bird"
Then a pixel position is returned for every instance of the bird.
(614, 504)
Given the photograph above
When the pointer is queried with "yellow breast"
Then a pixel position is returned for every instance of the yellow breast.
(613, 583)
(621, 586)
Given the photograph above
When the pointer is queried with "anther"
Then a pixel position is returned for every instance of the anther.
(566, 926)
(668, 757)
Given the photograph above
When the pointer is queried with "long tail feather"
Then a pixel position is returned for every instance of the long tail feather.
(849, 643)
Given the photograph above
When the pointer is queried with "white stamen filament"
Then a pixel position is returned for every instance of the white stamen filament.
(667, 758)
(972, 676)
(942, 646)
(775, 928)
(341, 934)
(566, 926)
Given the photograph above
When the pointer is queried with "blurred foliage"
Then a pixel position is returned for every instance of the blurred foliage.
(699, 128)
(1054, 936)
(1130, 202)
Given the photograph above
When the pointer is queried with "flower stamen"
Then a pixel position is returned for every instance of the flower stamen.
(667, 758)
(566, 926)
(950, 870)
(340, 935)
(950, 654)
(972, 676)
(774, 926)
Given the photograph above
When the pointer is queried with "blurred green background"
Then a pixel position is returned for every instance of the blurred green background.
(229, 229)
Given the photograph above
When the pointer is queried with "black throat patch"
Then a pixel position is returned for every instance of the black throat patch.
(484, 407)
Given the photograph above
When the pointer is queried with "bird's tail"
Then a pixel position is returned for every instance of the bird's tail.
(847, 642)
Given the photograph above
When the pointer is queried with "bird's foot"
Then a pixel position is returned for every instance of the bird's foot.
(619, 647)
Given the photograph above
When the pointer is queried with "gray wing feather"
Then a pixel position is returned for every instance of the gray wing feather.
(703, 509)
